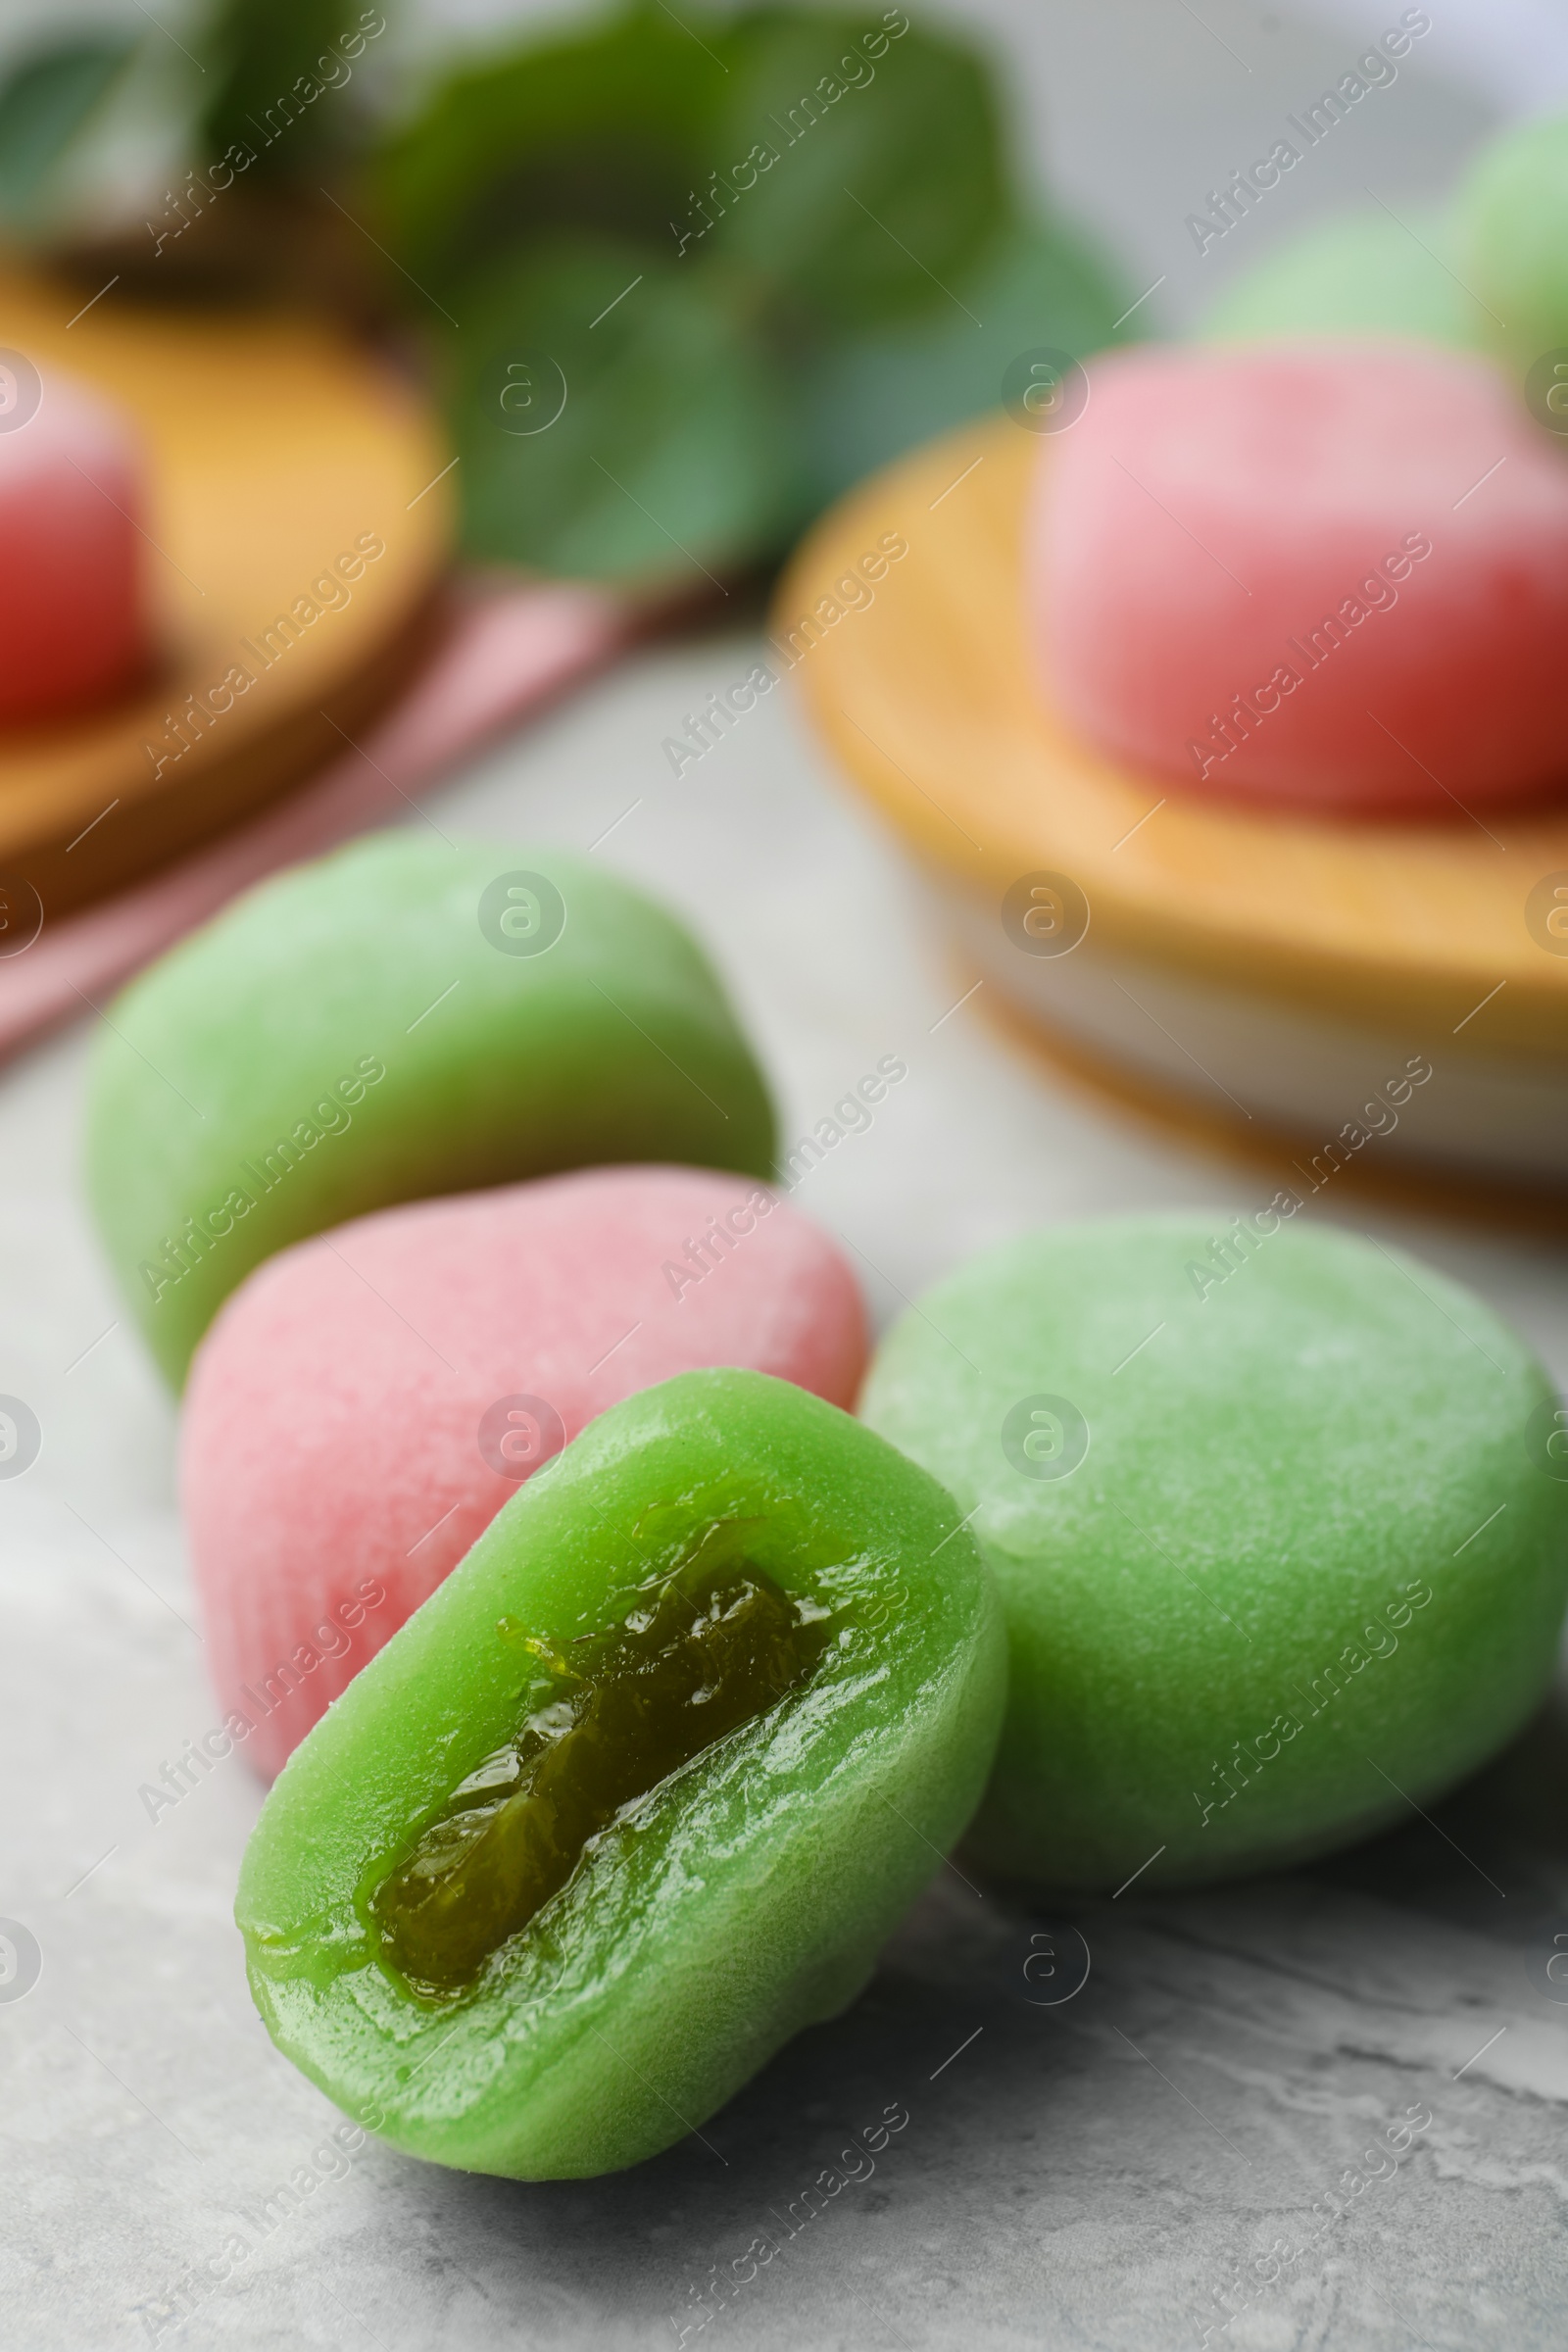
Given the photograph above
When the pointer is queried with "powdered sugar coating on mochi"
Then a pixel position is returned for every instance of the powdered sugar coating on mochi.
(1278, 1537)
(1334, 575)
(331, 1437)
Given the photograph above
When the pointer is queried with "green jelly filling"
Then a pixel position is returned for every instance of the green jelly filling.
(700, 1656)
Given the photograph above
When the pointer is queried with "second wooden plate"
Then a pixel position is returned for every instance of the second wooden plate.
(1285, 972)
(279, 457)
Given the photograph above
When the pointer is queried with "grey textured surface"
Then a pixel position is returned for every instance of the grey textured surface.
(1109, 2170)
(1085, 2174)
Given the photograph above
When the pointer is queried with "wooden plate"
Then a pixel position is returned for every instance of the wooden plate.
(1342, 942)
(272, 449)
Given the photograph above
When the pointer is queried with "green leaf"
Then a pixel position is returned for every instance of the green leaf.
(616, 419)
(712, 233)
(44, 104)
(866, 400)
(602, 132)
(857, 185)
(278, 72)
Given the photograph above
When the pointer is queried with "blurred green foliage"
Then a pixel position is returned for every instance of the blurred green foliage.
(674, 452)
(252, 56)
(600, 130)
(889, 177)
(681, 278)
(45, 104)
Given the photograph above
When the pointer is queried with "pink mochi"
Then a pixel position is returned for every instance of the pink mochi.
(367, 1401)
(71, 629)
(1331, 574)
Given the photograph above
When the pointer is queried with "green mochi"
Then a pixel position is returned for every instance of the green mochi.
(1275, 1526)
(1511, 216)
(405, 1017)
(744, 1897)
(1362, 273)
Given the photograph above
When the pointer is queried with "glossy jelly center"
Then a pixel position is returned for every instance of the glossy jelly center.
(694, 1661)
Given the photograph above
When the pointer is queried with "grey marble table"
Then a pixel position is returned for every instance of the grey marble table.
(1109, 2168)
(1171, 2151)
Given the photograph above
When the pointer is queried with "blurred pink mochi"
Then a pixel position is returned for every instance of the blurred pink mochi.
(1335, 575)
(71, 628)
(367, 1401)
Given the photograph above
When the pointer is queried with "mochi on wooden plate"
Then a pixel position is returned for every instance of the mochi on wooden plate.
(1328, 574)
(73, 629)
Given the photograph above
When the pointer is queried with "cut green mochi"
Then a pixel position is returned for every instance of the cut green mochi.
(1273, 1518)
(706, 1650)
(637, 1794)
(1361, 274)
(405, 1017)
(1511, 218)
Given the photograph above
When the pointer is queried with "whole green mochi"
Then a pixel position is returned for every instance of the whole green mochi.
(1272, 1515)
(405, 1017)
(1511, 218)
(1360, 273)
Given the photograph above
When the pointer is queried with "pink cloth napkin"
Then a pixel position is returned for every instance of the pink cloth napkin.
(509, 651)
